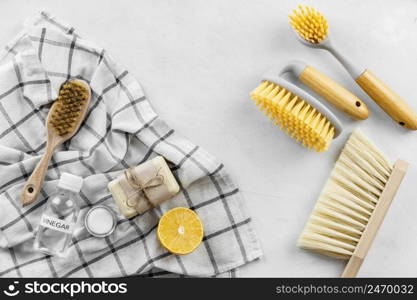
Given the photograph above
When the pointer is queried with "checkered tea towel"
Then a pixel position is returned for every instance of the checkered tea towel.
(121, 130)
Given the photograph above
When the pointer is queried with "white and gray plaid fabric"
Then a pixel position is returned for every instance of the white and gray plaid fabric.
(121, 130)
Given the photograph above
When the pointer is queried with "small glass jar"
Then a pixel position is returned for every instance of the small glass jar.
(100, 221)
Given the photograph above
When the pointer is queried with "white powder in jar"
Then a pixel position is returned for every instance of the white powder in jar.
(100, 221)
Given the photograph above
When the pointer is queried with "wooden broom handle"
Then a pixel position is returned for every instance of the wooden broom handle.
(333, 92)
(388, 100)
(34, 184)
(375, 221)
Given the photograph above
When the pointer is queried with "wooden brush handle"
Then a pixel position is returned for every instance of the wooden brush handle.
(375, 221)
(33, 186)
(352, 267)
(388, 100)
(333, 92)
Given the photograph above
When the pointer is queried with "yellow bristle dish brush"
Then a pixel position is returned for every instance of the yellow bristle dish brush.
(63, 121)
(300, 114)
(353, 203)
(313, 31)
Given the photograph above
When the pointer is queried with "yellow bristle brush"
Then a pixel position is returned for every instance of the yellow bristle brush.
(63, 121)
(353, 203)
(300, 114)
(313, 31)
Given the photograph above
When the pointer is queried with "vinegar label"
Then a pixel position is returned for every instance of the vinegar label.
(56, 224)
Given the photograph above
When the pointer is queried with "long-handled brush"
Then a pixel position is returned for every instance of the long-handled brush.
(313, 31)
(63, 121)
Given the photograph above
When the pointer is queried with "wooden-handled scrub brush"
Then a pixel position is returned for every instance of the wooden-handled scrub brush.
(313, 31)
(353, 203)
(63, 121)
(300, 114)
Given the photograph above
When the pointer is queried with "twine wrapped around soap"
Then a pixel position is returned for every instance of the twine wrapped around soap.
(132, 180)
(143, 187)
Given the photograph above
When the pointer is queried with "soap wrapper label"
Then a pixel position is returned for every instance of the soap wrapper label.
(56, 224)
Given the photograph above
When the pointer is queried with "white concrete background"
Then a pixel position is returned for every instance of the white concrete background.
(198, 60)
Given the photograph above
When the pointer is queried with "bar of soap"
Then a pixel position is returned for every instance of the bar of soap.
(157, 182)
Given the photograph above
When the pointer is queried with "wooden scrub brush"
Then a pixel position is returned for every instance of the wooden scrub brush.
(63, 121)
(300, 114)
(353, 203)
(313, 31)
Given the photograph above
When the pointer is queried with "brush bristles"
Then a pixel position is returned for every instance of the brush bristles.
(347, 200)
(299, 119)
(310, 24)
(68, 107)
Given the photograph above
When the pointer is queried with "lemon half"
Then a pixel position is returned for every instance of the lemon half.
(180, 230)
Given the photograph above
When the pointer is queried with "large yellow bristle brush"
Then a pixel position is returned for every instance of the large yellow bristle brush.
(353, 203)
(313, 31)
(300, 114)
(63, 121)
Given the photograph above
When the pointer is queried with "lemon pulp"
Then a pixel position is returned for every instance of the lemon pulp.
(180, 230)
